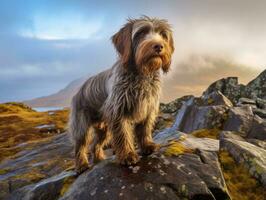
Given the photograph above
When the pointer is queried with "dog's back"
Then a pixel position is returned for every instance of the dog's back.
(93, 92)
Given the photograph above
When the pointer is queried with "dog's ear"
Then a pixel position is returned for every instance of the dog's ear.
(171, 43)
(166, 67)
(122, 42)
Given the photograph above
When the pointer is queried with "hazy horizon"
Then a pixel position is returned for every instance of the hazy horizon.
(44, 45)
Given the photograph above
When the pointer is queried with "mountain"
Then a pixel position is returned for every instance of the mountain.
(60, 99)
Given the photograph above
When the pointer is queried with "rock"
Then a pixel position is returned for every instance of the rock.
(261, 103)
(234, 91)
(203, 117)
(239, 120)
(257, 87)
(251, 156)
(207, 112)
(259, 143)
(206, 144)
(164, 120)
(39, 160)
(228, 87)
(230, 135)
(175, 105)
(246, 101)
(258, 129)
(187, 176)
(260, 112)
(216, 98)
(48, 189)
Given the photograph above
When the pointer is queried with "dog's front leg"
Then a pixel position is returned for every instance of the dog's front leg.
(143, 132)
(123, 142)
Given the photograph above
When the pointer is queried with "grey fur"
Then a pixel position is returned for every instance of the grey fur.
(116, 105)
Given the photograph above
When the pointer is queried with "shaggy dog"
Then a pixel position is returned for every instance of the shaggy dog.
(121, 103)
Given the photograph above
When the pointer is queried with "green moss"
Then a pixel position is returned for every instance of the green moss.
(176, 148)
(67, 183)
(238, 180)
(31, 176)
(206, 133)
(210, 101)
(3, 171)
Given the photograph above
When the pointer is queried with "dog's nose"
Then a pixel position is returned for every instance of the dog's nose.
(158, 48)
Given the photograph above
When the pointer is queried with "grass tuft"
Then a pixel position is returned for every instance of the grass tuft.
(206, 133)
(176, 148)
(240, 183)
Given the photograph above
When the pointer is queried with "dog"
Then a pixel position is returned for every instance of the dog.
(121, 103)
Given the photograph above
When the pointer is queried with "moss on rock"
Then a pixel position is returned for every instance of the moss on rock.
(176, 148)
(238, 180)
(209, 133)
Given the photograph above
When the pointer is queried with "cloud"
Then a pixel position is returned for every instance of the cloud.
(195, 73)
(46, 44)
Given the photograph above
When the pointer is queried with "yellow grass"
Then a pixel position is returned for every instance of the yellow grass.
(240, 184)
(176, 148)
(18, 125)
(208, 133)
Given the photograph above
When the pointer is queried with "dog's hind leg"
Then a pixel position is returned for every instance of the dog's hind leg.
(80, 129)
(101, 138)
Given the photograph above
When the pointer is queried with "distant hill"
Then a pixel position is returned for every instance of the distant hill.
(60, 99)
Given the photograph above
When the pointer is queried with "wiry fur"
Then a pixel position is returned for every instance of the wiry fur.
(121, 103)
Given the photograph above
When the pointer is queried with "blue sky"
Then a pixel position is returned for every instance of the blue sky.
(45, 44)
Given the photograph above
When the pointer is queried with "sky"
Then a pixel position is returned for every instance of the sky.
(45, 44)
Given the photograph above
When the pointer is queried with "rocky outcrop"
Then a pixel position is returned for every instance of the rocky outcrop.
(229, 87)
(188, 176)
(234, 91)
(185, 167)
(257, 87)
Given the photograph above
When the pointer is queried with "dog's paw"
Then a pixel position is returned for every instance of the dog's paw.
(98, 158)
(150, 148)
(81, 165)
(129, 159)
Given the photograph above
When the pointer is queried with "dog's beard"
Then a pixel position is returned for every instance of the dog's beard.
(148, 61)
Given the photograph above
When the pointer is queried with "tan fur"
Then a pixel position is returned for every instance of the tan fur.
(120, 104)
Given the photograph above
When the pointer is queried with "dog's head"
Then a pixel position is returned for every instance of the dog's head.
(146, 43)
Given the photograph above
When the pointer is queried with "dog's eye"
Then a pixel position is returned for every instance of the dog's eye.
(142, 32)
(164, 35)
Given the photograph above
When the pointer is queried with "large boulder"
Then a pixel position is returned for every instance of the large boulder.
(203, 117)
(261, 103)
(234, 91)
(215, 98)
(185, 167)
(240, 120)
(207, 112)
(159, 176)
(257, 87)
(228, 87)
(258, 129)
(251, 156)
